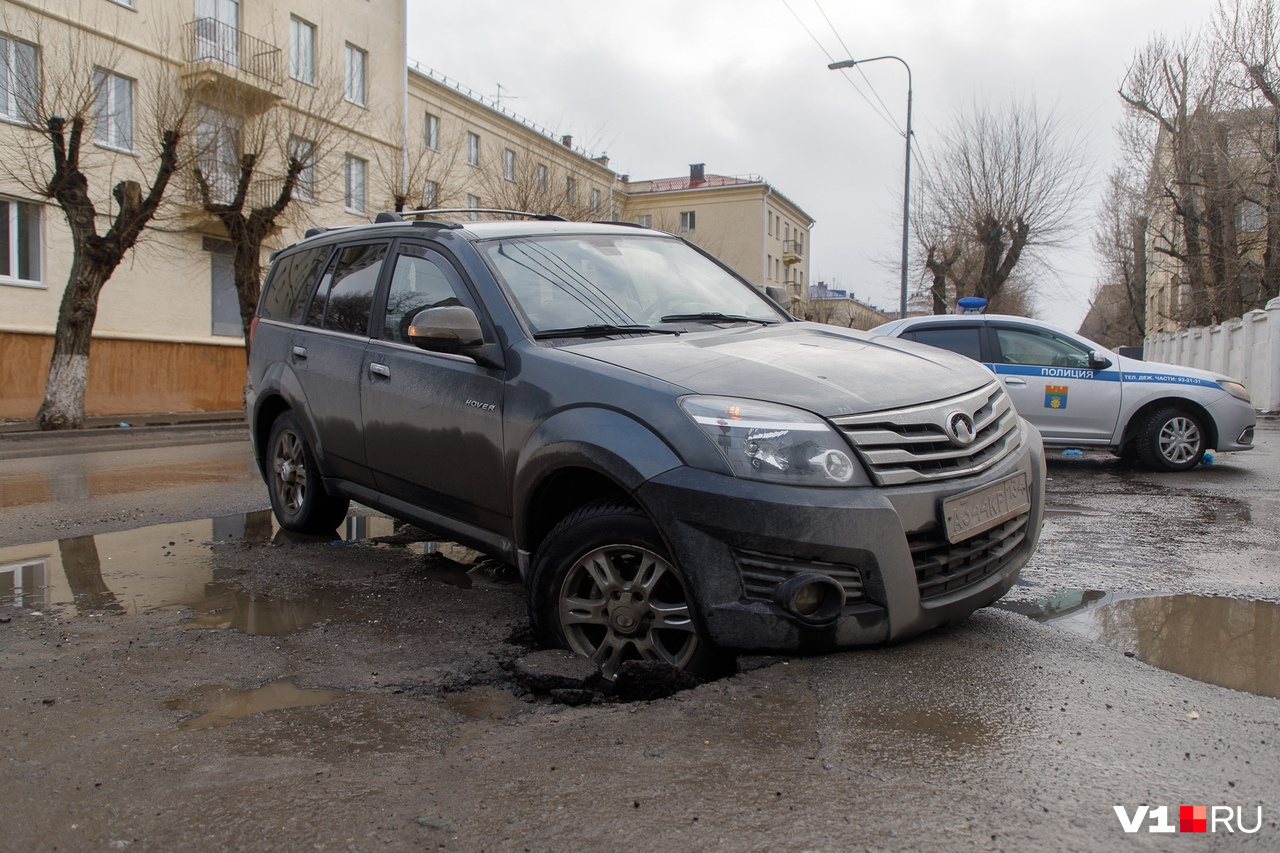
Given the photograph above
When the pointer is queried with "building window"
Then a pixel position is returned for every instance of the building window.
(508, 165)
(595, 201)
(19, 80)
(355, 83)
(432, 133)
(430, 195)
(688, 222)
(571, 190)
(217, 154)
(769, 218)
(473, 203)
(302, 51)
(225, 307)
(113, 123)
(303, 151)
(645, 220)
(542, 179)
(19, 242)
(768, 266)
(1250, 217)
(473, 149)
(355, 184)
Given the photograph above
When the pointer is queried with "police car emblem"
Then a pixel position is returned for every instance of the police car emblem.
(960, 429)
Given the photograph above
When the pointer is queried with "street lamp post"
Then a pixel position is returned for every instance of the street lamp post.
(906, 183)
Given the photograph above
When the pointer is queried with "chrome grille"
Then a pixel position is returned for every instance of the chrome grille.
(911, 445)
(764, 573)
(943, 567)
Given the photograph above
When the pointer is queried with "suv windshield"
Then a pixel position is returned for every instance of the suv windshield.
(575, 282)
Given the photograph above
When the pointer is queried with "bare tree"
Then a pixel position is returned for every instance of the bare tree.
(425, 173)
(1002, 189)
(520, 180)
(1117, 313)
(250, 164)
(1174, 89)
(67, 102)
(1247, 33)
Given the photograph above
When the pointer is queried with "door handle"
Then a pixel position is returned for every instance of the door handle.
(300, 352)
(379, 369)
(1015, 382)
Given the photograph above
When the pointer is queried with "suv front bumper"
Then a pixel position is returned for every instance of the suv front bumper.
(737, 541)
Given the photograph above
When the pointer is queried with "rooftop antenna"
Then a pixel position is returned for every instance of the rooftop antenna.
(497, 99)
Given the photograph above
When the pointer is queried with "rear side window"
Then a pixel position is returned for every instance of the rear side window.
(345, 297)
(965, 341)
(417, 283)
(291, 283)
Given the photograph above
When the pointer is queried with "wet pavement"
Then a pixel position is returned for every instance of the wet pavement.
(168, 682)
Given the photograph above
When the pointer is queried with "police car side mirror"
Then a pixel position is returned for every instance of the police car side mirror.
(1098, 362)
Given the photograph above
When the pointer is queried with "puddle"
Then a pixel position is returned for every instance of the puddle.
(220, 706)
(1230, 642)
(176, 566)
(79, 484)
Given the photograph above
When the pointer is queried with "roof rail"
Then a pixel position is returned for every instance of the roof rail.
(314, 232)
(545, 217)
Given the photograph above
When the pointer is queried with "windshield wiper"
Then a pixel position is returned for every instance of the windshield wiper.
(598, 329)
(715, 317)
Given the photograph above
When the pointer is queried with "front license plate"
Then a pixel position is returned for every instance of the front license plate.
(973, 512)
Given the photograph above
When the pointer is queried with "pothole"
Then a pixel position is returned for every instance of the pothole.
(1229, 642)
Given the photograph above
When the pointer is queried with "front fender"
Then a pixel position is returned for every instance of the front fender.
(607, 442)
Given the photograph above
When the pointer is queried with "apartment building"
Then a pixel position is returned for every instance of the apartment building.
(167, 336)
(745, 222)
(278, 77)
(838, 307)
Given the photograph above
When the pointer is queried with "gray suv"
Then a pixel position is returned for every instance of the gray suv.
(674, 464)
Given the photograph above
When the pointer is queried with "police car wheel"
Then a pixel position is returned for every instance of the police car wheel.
(1172, 439)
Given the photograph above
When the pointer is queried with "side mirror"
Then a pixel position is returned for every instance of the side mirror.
(1097, 361)
(778, 295)
(450, 329)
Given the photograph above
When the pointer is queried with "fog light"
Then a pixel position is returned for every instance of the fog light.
(809, 598)
(813, 598)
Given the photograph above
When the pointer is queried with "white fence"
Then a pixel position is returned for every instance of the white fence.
(1247, 349)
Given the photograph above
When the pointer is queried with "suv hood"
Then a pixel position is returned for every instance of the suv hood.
(824, 369)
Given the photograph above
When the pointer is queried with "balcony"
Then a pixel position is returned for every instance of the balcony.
(230, 68)
(792, 251)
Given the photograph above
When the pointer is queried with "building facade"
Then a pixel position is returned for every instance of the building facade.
(746, 223)
(840, 308)
(279, 77)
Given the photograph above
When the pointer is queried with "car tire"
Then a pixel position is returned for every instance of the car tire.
(1172, 439)
(604, 586)
(298, 496)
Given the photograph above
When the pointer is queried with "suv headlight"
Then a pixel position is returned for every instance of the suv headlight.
(778, 444)
(1235, 389)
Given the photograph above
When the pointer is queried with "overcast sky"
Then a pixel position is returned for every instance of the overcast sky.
(742, 86)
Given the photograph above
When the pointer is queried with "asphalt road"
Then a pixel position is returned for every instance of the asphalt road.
(172, 682)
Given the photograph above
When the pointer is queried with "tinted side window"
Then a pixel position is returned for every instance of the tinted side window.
(290, 284)
(1027, 346)
(345, 296)
(417, 283)
(965, 341)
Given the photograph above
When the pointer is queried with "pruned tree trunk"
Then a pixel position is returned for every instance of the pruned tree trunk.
(94, 258)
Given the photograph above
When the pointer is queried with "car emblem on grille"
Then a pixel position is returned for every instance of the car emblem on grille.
(960, 429)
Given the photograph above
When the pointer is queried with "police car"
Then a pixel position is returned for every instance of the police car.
(1081, 395)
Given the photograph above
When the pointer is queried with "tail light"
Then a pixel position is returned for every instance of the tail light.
(253, 327)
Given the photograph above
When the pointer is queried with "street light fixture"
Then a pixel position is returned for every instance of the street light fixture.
(906, 184)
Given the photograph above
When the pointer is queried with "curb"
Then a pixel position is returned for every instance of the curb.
(32, 443)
